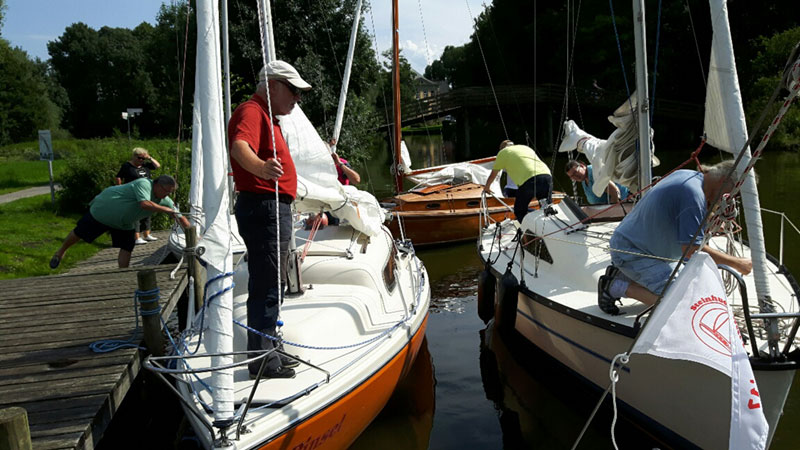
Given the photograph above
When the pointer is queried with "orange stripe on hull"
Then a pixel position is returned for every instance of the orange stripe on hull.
(338, 425)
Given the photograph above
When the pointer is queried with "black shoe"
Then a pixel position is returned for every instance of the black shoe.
(605, 301)
(55, 261)
(280, 372)
(288, 362)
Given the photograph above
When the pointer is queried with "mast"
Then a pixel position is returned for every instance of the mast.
(398, 175)
(226, 70)
(337, 126)
(645, 163)
(269, 37)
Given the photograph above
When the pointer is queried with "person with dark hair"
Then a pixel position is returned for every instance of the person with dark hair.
(139, 166)
(581, 173)
(117, 210)
(662, 225)
(527, 171)
(265, 176)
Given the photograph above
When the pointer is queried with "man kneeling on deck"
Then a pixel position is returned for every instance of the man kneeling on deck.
(117, 210)
(649, 241)
(527, 171)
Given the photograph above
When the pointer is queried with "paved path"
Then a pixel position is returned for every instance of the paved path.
(30, 192)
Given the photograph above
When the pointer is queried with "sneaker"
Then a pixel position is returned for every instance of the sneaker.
(55, 261)
(605, 301)
(140, 241)
(572, 135)
(289, 363)
(150, 238)
(280, 372)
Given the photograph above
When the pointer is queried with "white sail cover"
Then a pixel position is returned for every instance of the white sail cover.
(209, 182)
(615, 159)
(726, 129)
(457, 173)
(318, 186)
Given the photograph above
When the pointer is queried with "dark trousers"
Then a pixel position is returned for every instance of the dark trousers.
(539, 187)
(256, 216)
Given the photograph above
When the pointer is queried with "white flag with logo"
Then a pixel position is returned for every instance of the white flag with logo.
(694, 322)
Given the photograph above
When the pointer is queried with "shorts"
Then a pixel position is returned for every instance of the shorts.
(651, 273)
(89, 229)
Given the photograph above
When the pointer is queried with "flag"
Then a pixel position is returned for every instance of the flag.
(695, 322)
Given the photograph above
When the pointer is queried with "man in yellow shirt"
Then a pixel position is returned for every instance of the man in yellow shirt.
(527, 171)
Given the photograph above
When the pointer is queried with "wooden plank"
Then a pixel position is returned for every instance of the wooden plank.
(65, 375)
(61, 441)
(87, 401)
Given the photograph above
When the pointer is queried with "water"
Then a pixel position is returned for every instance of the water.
(455, 397)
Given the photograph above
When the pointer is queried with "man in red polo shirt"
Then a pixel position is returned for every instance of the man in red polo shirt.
(265, 177)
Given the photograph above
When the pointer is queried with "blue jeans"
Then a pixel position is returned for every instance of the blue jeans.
(256, 215)
(648, 272)
(539, 187)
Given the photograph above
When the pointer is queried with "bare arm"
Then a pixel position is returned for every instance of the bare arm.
(270, 169)
(147, 205)
(488, 186)
(613, 192)
(119, 181)
(742, 265)
(155, 163)
(348, 171)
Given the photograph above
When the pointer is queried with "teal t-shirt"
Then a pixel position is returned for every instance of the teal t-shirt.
(520, 163)
(118, 206)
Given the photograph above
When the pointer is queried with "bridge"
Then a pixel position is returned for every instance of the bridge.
(481, 97)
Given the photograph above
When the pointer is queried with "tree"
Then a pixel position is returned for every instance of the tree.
(24, 103)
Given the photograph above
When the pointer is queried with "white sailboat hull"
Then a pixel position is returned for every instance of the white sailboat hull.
(346, 301)
(556, 311)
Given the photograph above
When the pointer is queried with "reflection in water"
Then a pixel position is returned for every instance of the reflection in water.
(541, 405)
(407, 419)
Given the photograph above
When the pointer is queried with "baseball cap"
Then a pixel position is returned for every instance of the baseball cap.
(281, 70)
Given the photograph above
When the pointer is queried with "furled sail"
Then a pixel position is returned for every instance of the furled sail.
(614, 159)
(209, 170)
(726, 129)
(318, 187)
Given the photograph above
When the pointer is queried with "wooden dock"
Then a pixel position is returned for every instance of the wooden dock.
(46, 326)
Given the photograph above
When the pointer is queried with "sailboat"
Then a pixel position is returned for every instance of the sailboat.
(445, 204)
(354, 318)
(563, 253)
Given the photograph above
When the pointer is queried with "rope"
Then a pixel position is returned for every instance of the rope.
(655, 63)
(486, 68)
(109, 345)
(261, 30)
(614, 377)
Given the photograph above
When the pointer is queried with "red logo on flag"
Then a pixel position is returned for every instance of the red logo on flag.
(710, 324)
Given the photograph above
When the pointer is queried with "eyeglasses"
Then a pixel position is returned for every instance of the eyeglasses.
(292, 88)
(141, 157)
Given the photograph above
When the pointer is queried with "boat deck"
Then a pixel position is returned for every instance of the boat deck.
(47, 324)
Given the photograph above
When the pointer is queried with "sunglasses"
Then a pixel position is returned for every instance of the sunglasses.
(292, 88)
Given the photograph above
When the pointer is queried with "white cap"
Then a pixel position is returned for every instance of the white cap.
(281, 70)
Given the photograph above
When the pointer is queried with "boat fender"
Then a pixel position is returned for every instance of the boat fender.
(505, 313)
(486, 287)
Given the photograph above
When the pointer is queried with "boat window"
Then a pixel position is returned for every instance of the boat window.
(473, 203)
(537, 247)
(433, 206)
(388, 270)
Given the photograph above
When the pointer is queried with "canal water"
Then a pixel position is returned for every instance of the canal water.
(461, 394)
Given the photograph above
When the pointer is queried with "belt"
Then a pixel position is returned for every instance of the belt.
(283, 198)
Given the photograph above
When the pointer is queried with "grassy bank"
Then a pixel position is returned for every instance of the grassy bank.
(31, 231)
(17, 175)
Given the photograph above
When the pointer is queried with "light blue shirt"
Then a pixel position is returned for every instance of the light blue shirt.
(593, 199)
(667, 217)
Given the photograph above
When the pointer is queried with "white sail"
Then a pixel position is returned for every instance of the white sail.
(726, 129)
(209, 183)
(318, 186)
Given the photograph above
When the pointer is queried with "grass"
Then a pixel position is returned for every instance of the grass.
(30, 232)
(17, 175)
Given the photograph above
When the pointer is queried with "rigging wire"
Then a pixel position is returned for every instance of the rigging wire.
(380, 82)
(696, 43)
(486, 67)
(428, 61)
(182, 85)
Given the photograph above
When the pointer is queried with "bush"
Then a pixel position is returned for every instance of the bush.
(93, 164)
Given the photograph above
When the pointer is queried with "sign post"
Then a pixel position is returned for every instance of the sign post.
(127, 115)
(46, 153)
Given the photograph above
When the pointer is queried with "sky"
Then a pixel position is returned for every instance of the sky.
(30, 24)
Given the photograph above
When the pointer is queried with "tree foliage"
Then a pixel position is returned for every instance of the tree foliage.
(25, 106)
